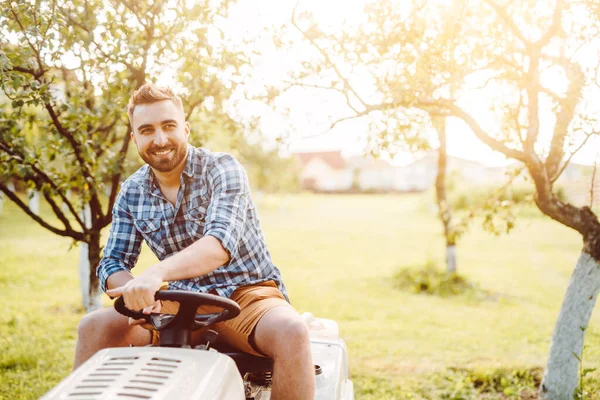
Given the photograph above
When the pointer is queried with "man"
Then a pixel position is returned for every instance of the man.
(193, 209)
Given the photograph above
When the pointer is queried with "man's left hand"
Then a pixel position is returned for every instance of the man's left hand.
(138, 293)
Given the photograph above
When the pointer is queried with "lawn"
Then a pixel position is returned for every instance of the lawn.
(338, 255)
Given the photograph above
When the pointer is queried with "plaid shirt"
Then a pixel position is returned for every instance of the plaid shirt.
(213, 199)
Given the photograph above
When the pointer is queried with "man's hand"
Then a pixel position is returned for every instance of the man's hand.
(148, 310)
(138, 293)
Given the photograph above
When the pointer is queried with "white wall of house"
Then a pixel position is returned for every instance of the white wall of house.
(414, 177)
(376, 179)
(326, 178)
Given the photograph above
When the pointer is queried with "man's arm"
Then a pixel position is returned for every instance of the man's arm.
(122, 249)
(118, 279)
(224, 226)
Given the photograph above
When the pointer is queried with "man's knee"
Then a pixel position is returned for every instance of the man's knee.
(292, 336)
(89, 323)
(102, 323)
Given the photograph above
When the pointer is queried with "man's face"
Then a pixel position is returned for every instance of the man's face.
(160, 134)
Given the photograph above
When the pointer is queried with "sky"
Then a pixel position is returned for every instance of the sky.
(306, 128)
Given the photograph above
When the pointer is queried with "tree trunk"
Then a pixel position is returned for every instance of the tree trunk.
(64, 207)
(442, 202)
(89, 257)
(451, 259)
(34, 201)
(1, 202)
(561, 375)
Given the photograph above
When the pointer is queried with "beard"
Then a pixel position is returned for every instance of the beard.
(165, 163)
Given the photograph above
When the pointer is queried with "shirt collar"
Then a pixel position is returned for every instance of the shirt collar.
(189, 163)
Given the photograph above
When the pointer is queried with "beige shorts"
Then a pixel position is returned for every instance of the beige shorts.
(254, 301)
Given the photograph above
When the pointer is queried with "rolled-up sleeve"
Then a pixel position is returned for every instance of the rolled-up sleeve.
(226, 215)
(124, 242)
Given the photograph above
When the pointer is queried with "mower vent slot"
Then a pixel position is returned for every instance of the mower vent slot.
(118, 363)
(152, 376)
(144, 381)
(103, 374)
(165, 359)
(85, 394)
(162, 365)
(91, 386)
(157, 370)
(123, 358)
(111, 369)
(140, 388)
(137, 396)
(97, 380)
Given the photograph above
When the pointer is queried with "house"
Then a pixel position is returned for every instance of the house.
(329, 172)
(420, 175)
(371, 174)
(324, 172)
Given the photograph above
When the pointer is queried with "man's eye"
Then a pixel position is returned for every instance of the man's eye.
(170, 126)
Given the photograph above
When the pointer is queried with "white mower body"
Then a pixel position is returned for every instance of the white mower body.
(179, 373)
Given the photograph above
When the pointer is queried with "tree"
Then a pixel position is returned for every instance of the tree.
(67, 69)
(361, 65)
(515, 75)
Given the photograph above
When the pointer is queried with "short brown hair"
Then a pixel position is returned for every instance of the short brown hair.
(148, 94)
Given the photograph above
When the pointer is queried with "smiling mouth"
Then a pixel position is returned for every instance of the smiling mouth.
(162, 152)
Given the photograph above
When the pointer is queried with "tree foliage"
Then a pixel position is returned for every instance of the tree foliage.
(67, 70)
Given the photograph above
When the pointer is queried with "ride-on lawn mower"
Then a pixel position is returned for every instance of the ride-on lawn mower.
(211, 371)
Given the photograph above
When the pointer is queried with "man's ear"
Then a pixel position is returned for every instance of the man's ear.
(133, 138)
(187, 129)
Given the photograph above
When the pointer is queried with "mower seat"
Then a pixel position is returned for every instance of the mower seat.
(245, 362)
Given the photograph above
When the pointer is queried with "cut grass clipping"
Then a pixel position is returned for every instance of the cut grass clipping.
(429, 279)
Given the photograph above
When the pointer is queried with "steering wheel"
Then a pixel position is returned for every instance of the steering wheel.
(176, 329)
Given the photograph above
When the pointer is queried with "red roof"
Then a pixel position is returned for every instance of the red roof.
(332, 158)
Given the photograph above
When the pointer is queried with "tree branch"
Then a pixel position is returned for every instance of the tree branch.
(95, 206)
(554, 26)
(35, 50)
(564, 117)
(325, 55)
(45, 178)
(34, 73)
(114, 190)
(67, 233)
(481, 134)
(509, 22)
(566, 163)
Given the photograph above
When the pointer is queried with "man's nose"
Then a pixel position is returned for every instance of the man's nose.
(160, 139)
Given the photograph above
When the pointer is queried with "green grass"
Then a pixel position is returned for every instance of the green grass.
(338, 255)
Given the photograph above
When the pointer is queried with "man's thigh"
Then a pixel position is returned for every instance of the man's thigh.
(255, 301)
(113, 328)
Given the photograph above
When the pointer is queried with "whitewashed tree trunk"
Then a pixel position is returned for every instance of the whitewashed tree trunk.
(34, 201)
(92, 301)
(451, 259)
(64, 207)
(561, 375)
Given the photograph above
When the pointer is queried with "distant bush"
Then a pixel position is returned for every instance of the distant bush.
(429, 279)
